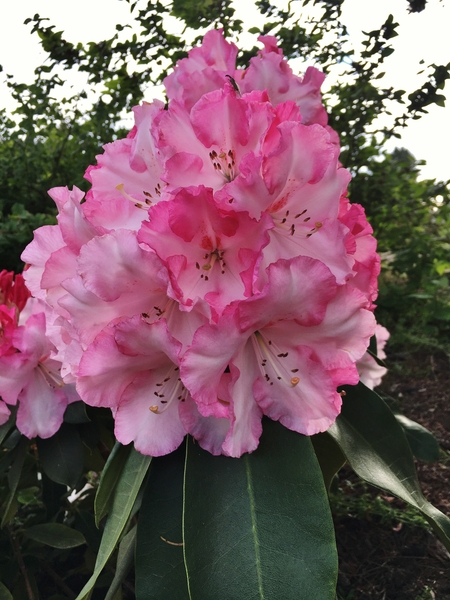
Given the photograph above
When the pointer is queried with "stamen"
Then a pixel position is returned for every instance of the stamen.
(120, 188)
(224, 162)
(51, 379)
(266, 355)
(170, 388)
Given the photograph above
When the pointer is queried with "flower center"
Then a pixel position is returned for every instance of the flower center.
(157, 312)
(225, 163)
(290, 223)
(166, 391)
(211, 258)
(272, 361)
(52, 379)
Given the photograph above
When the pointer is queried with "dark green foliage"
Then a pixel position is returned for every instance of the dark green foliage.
(411, 220)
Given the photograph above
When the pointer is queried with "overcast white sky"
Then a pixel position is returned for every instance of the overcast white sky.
(422, 36)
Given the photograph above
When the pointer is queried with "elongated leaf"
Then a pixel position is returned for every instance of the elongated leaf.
(5, 594)
(160, 572)
(108, 481)
(62, 455)
(259, 527)
(55, 535)
(378, 360)
(6, 428)
(13, 480)
(125, 558)
(76, 413)
(329, 456)
(375, 446)
(127, 489)
(422, 442)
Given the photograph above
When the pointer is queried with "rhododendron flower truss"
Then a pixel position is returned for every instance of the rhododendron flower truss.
(215, 272)
(28, 373)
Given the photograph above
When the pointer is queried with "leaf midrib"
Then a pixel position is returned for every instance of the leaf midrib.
(254, 526)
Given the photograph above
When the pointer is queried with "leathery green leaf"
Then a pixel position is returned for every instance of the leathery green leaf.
(55, 535)
(108, 480)
(125, 558)
(62, 455)
(127, 489)
(259, 527)
(5, 594)
(329, 456)
(14, 479)
(422, 442)
(375, 445)
(159, 565)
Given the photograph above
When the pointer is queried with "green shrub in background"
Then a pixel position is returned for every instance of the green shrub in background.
(411, 220)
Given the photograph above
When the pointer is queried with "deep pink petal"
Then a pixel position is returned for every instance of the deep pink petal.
(210, 254)
(203, 71)
(298, 289)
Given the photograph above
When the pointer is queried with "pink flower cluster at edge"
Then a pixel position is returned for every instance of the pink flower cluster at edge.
(370, 372)
(215, 272)
(29, 375)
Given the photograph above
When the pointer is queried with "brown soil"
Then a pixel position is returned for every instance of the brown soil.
(390, 560)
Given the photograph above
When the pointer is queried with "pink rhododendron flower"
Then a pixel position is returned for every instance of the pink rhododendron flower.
(215, 272)
(370, 372)
(29, 374)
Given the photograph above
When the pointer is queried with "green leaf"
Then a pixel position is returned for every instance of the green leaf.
(126, 491)
(378, 360)
(125, 558)
(76, 413)
(422, 442)
(62, 455)
(6, 427)
(108, 481)
(55, 535)
(13, 480)
(5, 594)
(329, 455)
(259, 527)
(160, 572)
(375, 446)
